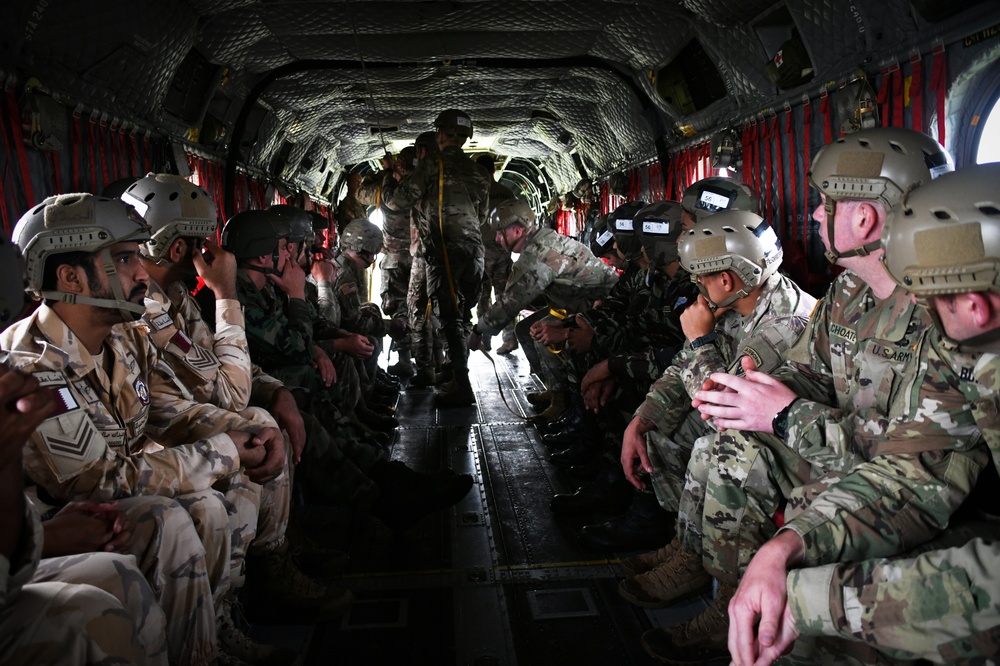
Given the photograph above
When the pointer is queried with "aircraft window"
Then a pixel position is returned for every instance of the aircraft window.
(988, 149)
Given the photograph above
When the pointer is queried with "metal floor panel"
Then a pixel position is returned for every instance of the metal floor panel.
(497, 580)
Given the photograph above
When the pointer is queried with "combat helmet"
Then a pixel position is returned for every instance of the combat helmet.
(602, 239)
(174, 207)
(79, 223)
(511, 211)
(945, 236)
(733, 240)
(621, 221)
(658, 226)
(255, 233)
(880, 164)
(714, 194)
(298, 222)
(361, 236)
(11, 282)
(454, 121)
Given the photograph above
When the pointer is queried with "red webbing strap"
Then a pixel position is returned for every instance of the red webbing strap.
(671, 167)
(897, 94)
(916, 92)
(824, 109)
(56, 172)
(147, 153)
(939, 82)
(806, 125)
(792, 195)
(747, 154)
(92, 182)
(779, 205)
(76, 139)
(706, 156)
(692, 166)
(755, 167)
(767, 185)
(14, 118)
(133, 153)
(102, 147)
(882, 99)
(113, 146)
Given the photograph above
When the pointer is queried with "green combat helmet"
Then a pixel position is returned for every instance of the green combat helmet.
(714, 194)
(511, 211)
(455, 122)
(621, 221)
(255, 233)
(361, 236)
(658, 226)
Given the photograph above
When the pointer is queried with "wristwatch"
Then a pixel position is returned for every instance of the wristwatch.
(779, 424)
(704, 340)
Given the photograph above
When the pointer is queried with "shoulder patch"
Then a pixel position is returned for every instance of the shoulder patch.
(161, 322)
(50, 378)
(72, 442)
(63, 397)
(182, 341)
(349, 288)
(142, 391)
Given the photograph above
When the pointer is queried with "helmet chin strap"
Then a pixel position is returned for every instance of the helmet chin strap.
(130, 311)
(832, 254)
(272, 270)
(712, 305)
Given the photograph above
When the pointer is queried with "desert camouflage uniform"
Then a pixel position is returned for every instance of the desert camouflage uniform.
(452, 246)
(498, 261)
(942, 605)
(140, 443)
(901, 449)
(777, 321)
(49, 621)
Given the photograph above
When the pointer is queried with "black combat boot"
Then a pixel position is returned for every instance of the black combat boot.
(643, 527)
(610, 492)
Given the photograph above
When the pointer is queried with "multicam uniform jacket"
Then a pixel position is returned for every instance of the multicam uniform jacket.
(97, 446)
(943, 605)
(557, 267)
(877, 474)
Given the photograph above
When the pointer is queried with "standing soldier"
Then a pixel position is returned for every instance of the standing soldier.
(498, 259)
(452, 194)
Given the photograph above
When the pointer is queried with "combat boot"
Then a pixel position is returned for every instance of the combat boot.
(374, 420)
(287, 595)
(539, 399)
(408, 495)
(680, 577)
(236, 648)
(700, 640)
(644, 526)
(425, 377)
(403, 367)
(507, 347)
(555, 409)
(610, 492)
(640, 564)
(456, 393)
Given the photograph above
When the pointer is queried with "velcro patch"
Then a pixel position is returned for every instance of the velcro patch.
(182, 341)
(64, 400)
(49, 378)
(72, 442)
(161, 322)
(349, 288)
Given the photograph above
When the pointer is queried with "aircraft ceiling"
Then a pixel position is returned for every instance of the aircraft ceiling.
(542, 79)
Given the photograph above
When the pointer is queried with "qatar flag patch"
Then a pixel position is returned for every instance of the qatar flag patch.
(63, 397)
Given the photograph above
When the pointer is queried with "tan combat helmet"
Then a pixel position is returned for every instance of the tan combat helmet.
(79, 223)
(714, 194)
(361, 236)
(174, 208)
(945, 236)
(733, 240)
(11, 282)
(879, 164)
(511, 211)
(658, 226)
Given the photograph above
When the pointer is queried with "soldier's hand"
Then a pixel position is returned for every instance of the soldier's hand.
(698, 320)
(600, 372)
(582, 337)
(23, 406)
(634, 457)
(275, 458)
(217, 268)
(744, 403)
(324, 365)
(549, 334)
(285, 411)
(759, 620)
(322, 270)
(597, 394)
(357, 345)
(250, 456)
(87, 527)
(292, 280)
(476, 342)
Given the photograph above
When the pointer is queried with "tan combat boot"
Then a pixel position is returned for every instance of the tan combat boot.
(236, 648)
(640, 564)
(288, 594)
(680, 577)
(557, 406)
(700, 640)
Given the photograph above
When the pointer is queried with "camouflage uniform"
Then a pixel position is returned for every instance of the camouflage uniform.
(900, 448)
(101, 451)
(350, 208)
(942, 605)
(420, 310)
(396, 261)
(777, 321)
(43, 621)
(498, 262)
(452, 246)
